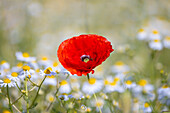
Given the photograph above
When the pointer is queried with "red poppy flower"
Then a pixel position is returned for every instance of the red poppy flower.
(81, 54)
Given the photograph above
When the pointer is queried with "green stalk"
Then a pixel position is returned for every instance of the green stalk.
(96, 101)
(10, 107)
(88, 77)
(26, 89)
(37, 92)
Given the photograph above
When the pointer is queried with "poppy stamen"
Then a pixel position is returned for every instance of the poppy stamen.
(85, 58)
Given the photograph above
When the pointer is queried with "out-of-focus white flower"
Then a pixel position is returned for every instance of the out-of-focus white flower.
(35, 9)
(103, 95)
(156, 44)
(45, 62)
(50, 97)
(13, 76)
(115, 103)
(92, 86)
(142, 34)
(50, 80)
(120, 67)
(129, 84)
(4, 65)
(147, 108)
(98, 103)
(88, 109)
(17, 68)
(164, 94)
(155, 35)
(114, 86)
(78, 95)
(122, 48)
(166, 42)
(64, 87)
(83, 107)
(6, 82)
(24, 57)
(33, 65)
(75, 85)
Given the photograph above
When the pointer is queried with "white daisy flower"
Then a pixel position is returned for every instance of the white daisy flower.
(142, 34)
(64, 87)
(4, 65)
(155, 35)
(92, 86)
(47, 72)
(164, 94)
(63, 97)
(156, 44)
(147, 108)
(14, 76)
(24, 57)
(166, 42)
(129, 84)
(50, 80)
(120, 67)
(7, 81)
(78, 95)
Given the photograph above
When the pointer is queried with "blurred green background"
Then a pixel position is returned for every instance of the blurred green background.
(39, 26)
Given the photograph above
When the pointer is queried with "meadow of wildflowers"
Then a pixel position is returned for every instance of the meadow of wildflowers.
(128, 72)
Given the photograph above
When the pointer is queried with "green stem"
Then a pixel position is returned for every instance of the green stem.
(17, 99)
(88, 77)
(10, 107)
(34, 84)
(37, 92)
(26, 94)
(96, 101)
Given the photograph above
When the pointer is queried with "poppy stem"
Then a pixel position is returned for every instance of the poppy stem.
(88, 77)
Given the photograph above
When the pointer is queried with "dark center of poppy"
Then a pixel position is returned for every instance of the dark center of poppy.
(85, 58)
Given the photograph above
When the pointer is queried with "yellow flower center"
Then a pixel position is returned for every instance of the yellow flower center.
(141, 30)
(52, 76)
(26, 55)
(92, 81)
(116, 79)
(106, 82)
(19, 64)
(63, 82)
(25, 68)
(6, 111)
(142, 82)
(128, 82)
(113, 83)
(146, 105)
(167, 38)
(165, 86)
(37, 70)
(51, 98)
(99, 104)
(48, 70)
(119, 63)
(162, 71)
(3, 62)
(55, 64)
(155, 32)
(7, 81)
(14, 74)
(29, 76)
(156, 40)
(44, 58)
(88, 110)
